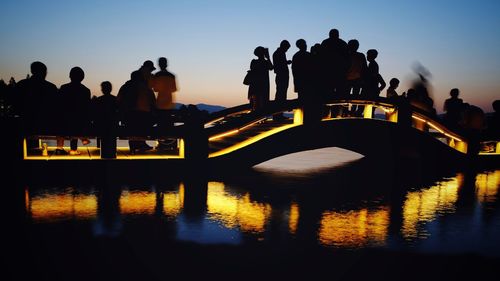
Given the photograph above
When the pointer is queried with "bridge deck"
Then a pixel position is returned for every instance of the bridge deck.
(246, 133)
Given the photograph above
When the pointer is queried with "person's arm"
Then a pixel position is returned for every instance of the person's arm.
(382, 83)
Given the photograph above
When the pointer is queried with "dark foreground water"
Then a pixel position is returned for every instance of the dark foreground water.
(357, 221)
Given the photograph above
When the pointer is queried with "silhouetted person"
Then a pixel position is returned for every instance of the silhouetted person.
(280, 64)
(493, 123)
(337, 63)
(356, 71)
(374, 82)
(75, 106)
(473, 124)
(423, 98)
(106, 120)
(391, 91)
(258, 90)
(302, 69)
(165, 85)
(37, 106)
(136, 100)
(453, 108)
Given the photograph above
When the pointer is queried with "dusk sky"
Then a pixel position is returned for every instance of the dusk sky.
(209, 44)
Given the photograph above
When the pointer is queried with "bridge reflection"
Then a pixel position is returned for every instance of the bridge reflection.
(243, 215)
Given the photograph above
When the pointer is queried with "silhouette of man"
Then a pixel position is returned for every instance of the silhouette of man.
(356, 72)
(302, 69)
(453, 108)
(136, 101)
(105, 119)
(337, 60)
(75, 98)
(374, 81)
(282, 74)
(165, 85)
(391, 91)
(493, 122)
(37, 104)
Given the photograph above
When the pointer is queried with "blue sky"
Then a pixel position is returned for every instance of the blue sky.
(210, 44)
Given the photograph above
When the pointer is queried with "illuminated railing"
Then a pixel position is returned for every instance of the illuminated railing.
(298, 119)
(46, 150)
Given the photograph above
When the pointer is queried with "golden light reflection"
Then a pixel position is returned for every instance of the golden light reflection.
(354, 229)
(293, 219)
(62, 206)
(424, 205)
(234, 211)
(487, 186)
(137, 202)
(173, 202)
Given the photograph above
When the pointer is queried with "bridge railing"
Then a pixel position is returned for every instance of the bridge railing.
(112, 144)
(404, 113)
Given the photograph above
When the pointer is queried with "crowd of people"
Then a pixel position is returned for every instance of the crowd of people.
(332, 69)
(72, 111)
(335, 69)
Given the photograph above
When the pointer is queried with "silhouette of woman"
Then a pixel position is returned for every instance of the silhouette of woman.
(258, 90)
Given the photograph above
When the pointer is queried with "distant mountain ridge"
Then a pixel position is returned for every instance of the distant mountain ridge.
(202, 106)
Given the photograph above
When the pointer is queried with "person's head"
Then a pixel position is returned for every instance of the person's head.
(334, 33)
(454, 92)
(301, 44)
(148, 66)
(496, 105)
(285, 45)
(394, 83)
(371, 54)
(316, 49)
(259, 51)
(76, 74)
(106, 87)
(353, 45)
(162, 63)
(38, 70)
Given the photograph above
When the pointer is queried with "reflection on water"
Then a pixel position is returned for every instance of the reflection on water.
(487, 185)
(236, 210)
(333, 212)
(66, 204)
(355, 228)
(424, 205)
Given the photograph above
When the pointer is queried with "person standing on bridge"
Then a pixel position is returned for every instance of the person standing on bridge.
(164, 84)
(37, 102)
(75, 98)
(281, 63)
(258, 90)
(356, 72)
(302, 69)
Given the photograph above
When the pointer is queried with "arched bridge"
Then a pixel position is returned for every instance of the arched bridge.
(239, 137)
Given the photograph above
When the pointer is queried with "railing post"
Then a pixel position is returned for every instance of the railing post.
(368, 111)
(108, 147)
(392, 116)
(298, 116)
(458, 145)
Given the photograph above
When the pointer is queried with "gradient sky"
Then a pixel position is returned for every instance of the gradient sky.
(210, 44)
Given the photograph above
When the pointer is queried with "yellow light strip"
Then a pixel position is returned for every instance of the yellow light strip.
(252, 140)
(251, 124)
(232, 132)
(418, 118)
(453, 137)
(435, 127)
